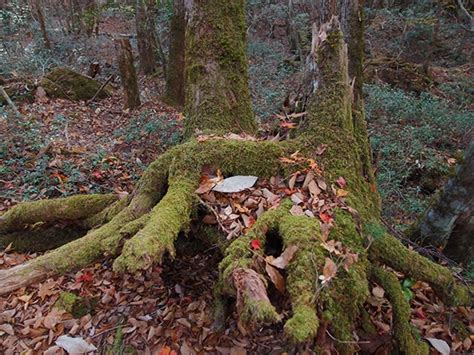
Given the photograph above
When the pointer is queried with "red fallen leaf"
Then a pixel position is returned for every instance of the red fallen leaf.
(289, 125)
(341, 182)
(255, 244)
(85, 277)
(97, 175)
(251, 222)
(326, 218)
(418, 312)
(61, 177)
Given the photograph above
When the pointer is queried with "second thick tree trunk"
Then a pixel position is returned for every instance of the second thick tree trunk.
(175, 82)
(449, 222)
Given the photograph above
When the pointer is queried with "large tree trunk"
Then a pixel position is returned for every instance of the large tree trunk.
(128, 75)
(146, 38)
(449, 222)
(175, 83)
(217, 92)
(138, 231)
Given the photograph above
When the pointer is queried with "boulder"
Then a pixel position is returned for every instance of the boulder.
(67, 84)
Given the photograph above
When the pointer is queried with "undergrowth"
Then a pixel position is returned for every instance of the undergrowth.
(416, 141)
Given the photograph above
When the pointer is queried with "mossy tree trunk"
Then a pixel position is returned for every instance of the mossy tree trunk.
(139, 230)
(175, 83)
(448, 223)
(128, 75)
(217, 92)
(146, 38)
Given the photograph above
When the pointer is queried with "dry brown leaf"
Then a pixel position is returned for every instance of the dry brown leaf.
(284, 259)
(321, 183)
(46, 289)
(292, 181)
(313, 188)
(297, 210)
(329, 271)
(7, 328)
(275, 277)
(325, 228)
(378, 291)
(341, 193)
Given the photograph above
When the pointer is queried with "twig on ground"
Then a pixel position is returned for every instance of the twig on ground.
(10, 102)
(100, 89)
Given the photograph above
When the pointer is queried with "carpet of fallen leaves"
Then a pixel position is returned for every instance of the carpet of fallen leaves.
(168, 309)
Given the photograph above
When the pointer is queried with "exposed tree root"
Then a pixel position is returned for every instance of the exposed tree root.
(41, 239)
(391, 252)
(68, 208)
(401, 312)
(147, 225)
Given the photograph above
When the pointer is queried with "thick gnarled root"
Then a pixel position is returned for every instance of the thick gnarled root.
(401, 312)
(391, 252)
(301, 232)
(152, 216)
(169, 217)
(72, 208)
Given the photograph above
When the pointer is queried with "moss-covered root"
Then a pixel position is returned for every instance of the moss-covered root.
(304, 233)
(169, 217)
(389, 251)
(237, 277)
(70, 256)
(401, 312)
(68, 208)
(253, 304)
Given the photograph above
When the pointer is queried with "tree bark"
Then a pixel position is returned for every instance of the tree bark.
(146, 38)
(175, 79)
(127, 73)
(449, 223)
(217, 92)
(39, 13)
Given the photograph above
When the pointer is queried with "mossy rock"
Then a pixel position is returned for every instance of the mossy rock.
(75, 305)
(65, 83)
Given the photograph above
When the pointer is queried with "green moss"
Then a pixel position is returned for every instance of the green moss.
(341, 324)
(68, 208)
(67, 84)
(303, 325)
(170, 216)
(366, 322)
(257, 312)
(216, 69)
(401, 312)
(73, 304)
(303, 270)
(41, 239)
(118, 341)
(390, 251)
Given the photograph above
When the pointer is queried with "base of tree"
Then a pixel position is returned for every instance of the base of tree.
(140, 229)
